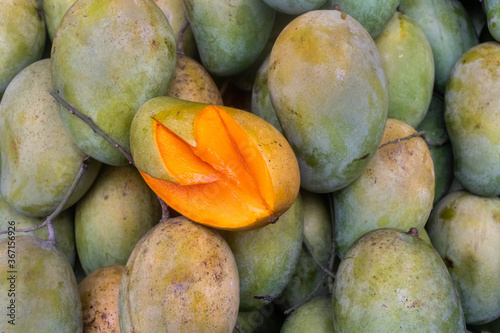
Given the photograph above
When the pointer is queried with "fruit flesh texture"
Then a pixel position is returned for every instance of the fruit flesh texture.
(472, 116)
(391, 281)
(330, 98)
(464, 229)
(39, 159)
(107, 59)
(181, 277)
(242, 178)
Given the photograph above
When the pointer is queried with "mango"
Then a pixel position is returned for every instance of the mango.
(392, 281)
(464, 229)
(267, 257)
(54, 10)
(315, 316)
(193, 83)
(395, 190)
(318, 232)
(40, 290)
(229, 36)
(113, 216)
(219, 166)
(22, 37)
(39, 159)
(181, 277)
(99, 296)
(372, 14)
(472, 115)
(330, 97)
(449, 30)
(492, 9)
(294, 7)
(107, 59)
(263, 320)
(409, 68)
(436, 137)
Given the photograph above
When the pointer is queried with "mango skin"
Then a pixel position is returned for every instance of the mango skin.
(108, 58)
(267, 257)
(390, 281)
(113, 216)
(39, 159)
(22, 37)
(409, 68)
(395, 190)
(472, 115)
(294, 7)
(54, 10)
(46, 293)
(312, 317)
(330, 98)
(449, 30)
(465, 228)
(179, 116)
(492, 10)
(181, 277)
(229, 48)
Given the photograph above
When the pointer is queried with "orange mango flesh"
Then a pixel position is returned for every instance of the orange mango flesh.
(223, 182)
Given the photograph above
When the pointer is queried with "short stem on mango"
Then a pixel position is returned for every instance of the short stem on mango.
(92, 125)
(411, 136)
(180, 36)
(165, 215)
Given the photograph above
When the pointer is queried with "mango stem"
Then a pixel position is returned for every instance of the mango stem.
(411, 136)
(180, 36)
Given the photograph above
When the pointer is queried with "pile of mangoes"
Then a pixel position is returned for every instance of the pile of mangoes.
(249, 166)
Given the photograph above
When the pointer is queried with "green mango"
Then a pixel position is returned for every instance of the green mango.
(409, 68)
(39, 159)
(266, 319)
(181, 277)
(392, 281)
(372, 14)
(396, 189)
(111, 218)
(449, 30)
(315, 316)
(328, 89)
(108, 58)
(492, 9)
(465, 229)
(472, 115)
(229, 35)
(40, 293)
(54, 10)
(295, 7)
(261, 100)
(22, 37)
(267, 257)
(439, 145)
(318, 232)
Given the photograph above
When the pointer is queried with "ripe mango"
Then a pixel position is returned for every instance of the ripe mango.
(330, 97)
(113, 216)
(39, 159)
(181, 277)
(107, 59)
(395, 190)
(44, 290)
(219, 166)
(392, 281)
(464, 229)
(472, 115)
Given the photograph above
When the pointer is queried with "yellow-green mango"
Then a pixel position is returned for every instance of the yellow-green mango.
(439, 145)
(229, 35)
(181, 277)
(108, 58)
(449, 30)
(392, 281)
(40, 293)
(54, 10)
(472, 116)
(267, 257)
(22, 37)
(465, 229)
(295, 7)
(315, 316)
(492, 9)
(372, 14)
(328, 89)
(39, 159)
(396, 189)
(409, 68)
(113, 216)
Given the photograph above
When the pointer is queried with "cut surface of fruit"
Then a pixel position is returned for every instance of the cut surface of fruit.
(223, 181)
